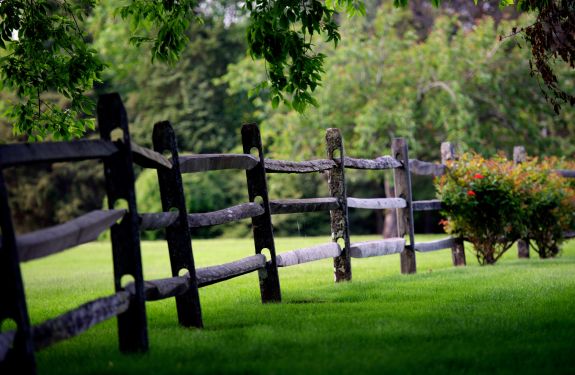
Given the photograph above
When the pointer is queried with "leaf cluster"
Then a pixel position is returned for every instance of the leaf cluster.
(281, 32)
(48, 53)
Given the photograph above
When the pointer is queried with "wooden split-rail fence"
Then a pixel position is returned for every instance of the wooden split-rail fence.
(17, 347)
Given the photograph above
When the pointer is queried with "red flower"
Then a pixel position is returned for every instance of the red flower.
(478, 176)
(471, 193)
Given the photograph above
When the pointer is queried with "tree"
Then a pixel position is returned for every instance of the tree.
(52, 50)
(387, 80)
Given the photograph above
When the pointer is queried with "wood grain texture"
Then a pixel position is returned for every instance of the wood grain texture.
(291, 258)
(214, 274)
(147, 158)
(382, 162)
(429, 205)
(424, 168)
(290, 206)
(80, 319)
(227, 215)
(212, 162)
(423, 247)
(28, 153)
(376, 203)
(377, 248)
(58, 238)
(159, 220)
(287, 166)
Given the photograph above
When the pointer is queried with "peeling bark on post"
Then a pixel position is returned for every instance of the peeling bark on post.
(178, 234)
(339, 217)
(458, 248)
(262, 224)
(519, 156)
(20, 358)
(402, 179)
(118, 169)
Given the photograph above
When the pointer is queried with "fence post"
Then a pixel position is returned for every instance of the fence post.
(261, 225)
(178, 234)
(20, 358)
(132, 326)
(519, 156)
(458, 248)
(339, 217)
(402, 178)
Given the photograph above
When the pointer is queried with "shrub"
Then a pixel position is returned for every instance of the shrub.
(493, 202)
(482, 204)
(548, 204)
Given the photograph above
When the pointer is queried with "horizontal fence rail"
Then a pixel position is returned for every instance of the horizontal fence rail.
(310, 254)
(286, 166)
(430, 205)
(83, 229)
(147, 158)
(215, 274)
(71, 323)
(212, 162)
(376, 203)
(380, 163)
(291, 206)
(227, 215)
(446, 243)
(377, 248)
(52, 152)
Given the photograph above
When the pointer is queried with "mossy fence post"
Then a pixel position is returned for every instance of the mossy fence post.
(339, 217)
(402, 182)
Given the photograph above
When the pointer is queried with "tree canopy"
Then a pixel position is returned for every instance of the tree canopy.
(45, 46)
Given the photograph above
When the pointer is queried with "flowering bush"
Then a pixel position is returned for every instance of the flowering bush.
(548, 204)
(482, 204)
(492, 203)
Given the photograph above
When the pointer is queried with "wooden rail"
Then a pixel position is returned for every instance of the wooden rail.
(291, 206)
(83, 229)
(211, 162)
(310, 254)
(52, 152)
(376, 203)
(377, 248)
(215, 274)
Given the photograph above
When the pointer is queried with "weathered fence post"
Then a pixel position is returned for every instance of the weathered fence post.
(402, 178)
(458, 248)
(339, 217)
(20, 358)
(262, 224)
(519, 156)
(132, 326)
(178, 234)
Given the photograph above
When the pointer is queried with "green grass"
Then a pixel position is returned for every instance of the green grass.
(515, 317)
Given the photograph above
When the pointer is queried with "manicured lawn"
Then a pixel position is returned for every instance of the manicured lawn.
(515, 317)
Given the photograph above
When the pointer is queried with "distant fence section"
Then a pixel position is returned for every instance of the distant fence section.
(17, 347)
